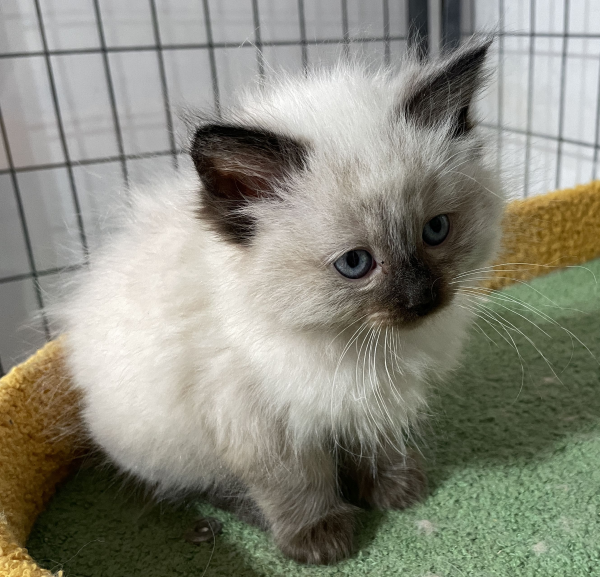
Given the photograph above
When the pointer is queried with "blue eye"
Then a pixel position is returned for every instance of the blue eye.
(436, 230)
(354, 264)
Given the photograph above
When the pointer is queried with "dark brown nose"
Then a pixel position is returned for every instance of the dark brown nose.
(419, 300)
(416, 294)
(422, 309)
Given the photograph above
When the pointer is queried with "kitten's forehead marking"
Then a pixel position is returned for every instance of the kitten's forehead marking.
(395, 214)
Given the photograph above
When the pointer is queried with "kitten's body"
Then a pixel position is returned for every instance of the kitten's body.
(223, 372)
(220, 352)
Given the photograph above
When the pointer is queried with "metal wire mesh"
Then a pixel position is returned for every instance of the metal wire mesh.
(56, 167)
(25, 279)
(545, 100)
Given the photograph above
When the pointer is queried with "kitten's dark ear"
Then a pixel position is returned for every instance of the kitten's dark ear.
(237, 166)
(445, 89)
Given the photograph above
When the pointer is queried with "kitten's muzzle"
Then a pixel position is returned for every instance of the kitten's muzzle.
(415, 292)
(422, 304)
(418, 300)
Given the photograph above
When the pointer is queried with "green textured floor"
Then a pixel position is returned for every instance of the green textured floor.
(514, 469)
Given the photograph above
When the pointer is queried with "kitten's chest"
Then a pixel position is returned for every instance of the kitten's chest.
(349, 390)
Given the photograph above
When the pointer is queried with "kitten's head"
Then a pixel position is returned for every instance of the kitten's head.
(349, 195)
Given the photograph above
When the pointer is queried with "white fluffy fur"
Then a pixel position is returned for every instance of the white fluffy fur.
(195, 355)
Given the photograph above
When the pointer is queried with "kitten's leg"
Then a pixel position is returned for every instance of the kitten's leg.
(389, 480)
(233, 496)
(308, 518)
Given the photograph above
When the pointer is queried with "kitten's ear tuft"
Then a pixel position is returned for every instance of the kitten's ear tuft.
(237, 166)
(444, 90)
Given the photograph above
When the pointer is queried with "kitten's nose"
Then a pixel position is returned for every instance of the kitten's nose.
(420, 302)
(416, 291)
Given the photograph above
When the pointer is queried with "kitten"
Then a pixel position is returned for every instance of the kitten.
(266, 331)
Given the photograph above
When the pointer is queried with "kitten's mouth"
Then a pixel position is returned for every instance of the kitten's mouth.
(393, 319)
(410, 316)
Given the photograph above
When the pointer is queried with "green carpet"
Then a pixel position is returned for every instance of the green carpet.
(513, 463)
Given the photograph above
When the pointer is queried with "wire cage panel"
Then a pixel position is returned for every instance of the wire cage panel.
(91, 93)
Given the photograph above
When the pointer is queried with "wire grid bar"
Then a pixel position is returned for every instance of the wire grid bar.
(61, 128)
(529, 98)
(111, 93)
(500, 99)
(303, 40)
(202, 45)
(24, 226)
(561, 105)
(41, 273)
(163, 83)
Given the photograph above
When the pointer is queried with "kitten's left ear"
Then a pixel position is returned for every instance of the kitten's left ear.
(444, 91)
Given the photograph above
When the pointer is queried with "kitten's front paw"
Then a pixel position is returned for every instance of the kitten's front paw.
(397, 485)
(327, 541)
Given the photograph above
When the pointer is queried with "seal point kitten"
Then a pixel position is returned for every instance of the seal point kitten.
(266, 330)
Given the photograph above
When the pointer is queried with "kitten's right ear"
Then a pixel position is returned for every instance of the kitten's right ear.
(237, 166)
